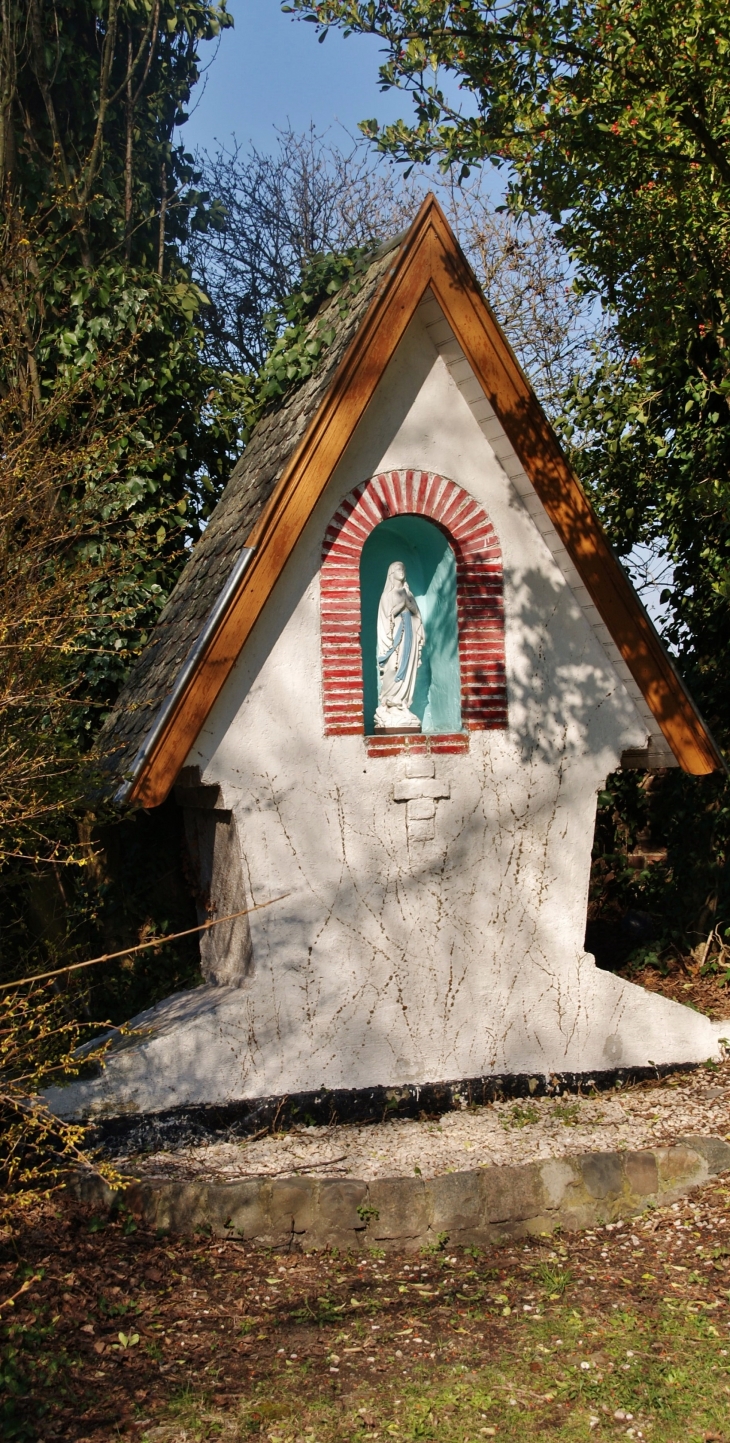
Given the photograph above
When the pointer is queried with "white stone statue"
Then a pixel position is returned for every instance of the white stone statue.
(400, 642)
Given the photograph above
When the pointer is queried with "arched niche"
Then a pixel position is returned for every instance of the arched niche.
(430, 565)
(409, 496)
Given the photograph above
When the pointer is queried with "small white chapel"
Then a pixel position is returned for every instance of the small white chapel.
(388, 687)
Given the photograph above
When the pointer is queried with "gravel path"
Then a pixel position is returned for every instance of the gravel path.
(637, 1117)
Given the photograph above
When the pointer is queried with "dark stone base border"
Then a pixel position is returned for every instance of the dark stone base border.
(188, 1126)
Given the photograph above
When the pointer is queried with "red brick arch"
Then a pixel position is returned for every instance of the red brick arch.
(480, 609)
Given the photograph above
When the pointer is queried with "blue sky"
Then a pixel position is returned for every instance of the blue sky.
(270, 69)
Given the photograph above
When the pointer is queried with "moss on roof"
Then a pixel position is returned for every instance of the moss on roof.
(250, 487)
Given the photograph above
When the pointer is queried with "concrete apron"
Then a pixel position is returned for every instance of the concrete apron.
(487, 1206)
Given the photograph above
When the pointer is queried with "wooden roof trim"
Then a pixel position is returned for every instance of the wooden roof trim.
(430, 256)
(284, 517)
(569, 509)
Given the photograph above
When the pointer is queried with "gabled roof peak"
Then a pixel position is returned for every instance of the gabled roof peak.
(284, 471)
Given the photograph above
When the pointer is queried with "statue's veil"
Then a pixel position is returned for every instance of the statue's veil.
(385, 616)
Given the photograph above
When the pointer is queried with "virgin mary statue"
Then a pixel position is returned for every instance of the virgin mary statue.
(400, 641)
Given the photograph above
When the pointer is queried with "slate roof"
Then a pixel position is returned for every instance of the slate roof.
(252, 482)
(209, 614)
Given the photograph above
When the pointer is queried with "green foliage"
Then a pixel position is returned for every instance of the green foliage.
(117, 438)
(367, 1213)
(298, 336)
(90, 94)
(554, 1279)
(689, 893)
(614, 120)
(38, 1046)
(145, 431)
(29, 1359)
(520, 1116)
(97, 509)
(100, 355)
(567, 1112)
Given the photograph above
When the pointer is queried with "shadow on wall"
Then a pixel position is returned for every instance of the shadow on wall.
(565, 705)
(216, 873)
(565, 700)
(539, 607)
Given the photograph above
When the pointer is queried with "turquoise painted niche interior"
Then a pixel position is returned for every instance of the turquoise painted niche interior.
(431, 573)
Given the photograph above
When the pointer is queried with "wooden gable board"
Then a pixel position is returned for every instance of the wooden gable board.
(430, 260)
(658, 753)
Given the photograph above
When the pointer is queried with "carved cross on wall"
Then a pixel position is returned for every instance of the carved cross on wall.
(420, 791)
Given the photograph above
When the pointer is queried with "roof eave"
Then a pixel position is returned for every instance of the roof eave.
(429, 255)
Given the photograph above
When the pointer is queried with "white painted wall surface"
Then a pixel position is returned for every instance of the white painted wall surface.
(389, 962)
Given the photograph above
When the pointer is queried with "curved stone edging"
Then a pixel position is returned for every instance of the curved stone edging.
(486, 1206)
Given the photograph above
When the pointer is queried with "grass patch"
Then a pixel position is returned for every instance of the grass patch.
(623, 1330)
(553, 1279)
(519, 1116)
(561, 1376)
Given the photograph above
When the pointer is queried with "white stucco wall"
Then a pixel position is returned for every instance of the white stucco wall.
(391, 961)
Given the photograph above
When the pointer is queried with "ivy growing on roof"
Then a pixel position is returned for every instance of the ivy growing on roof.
(304, 326)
